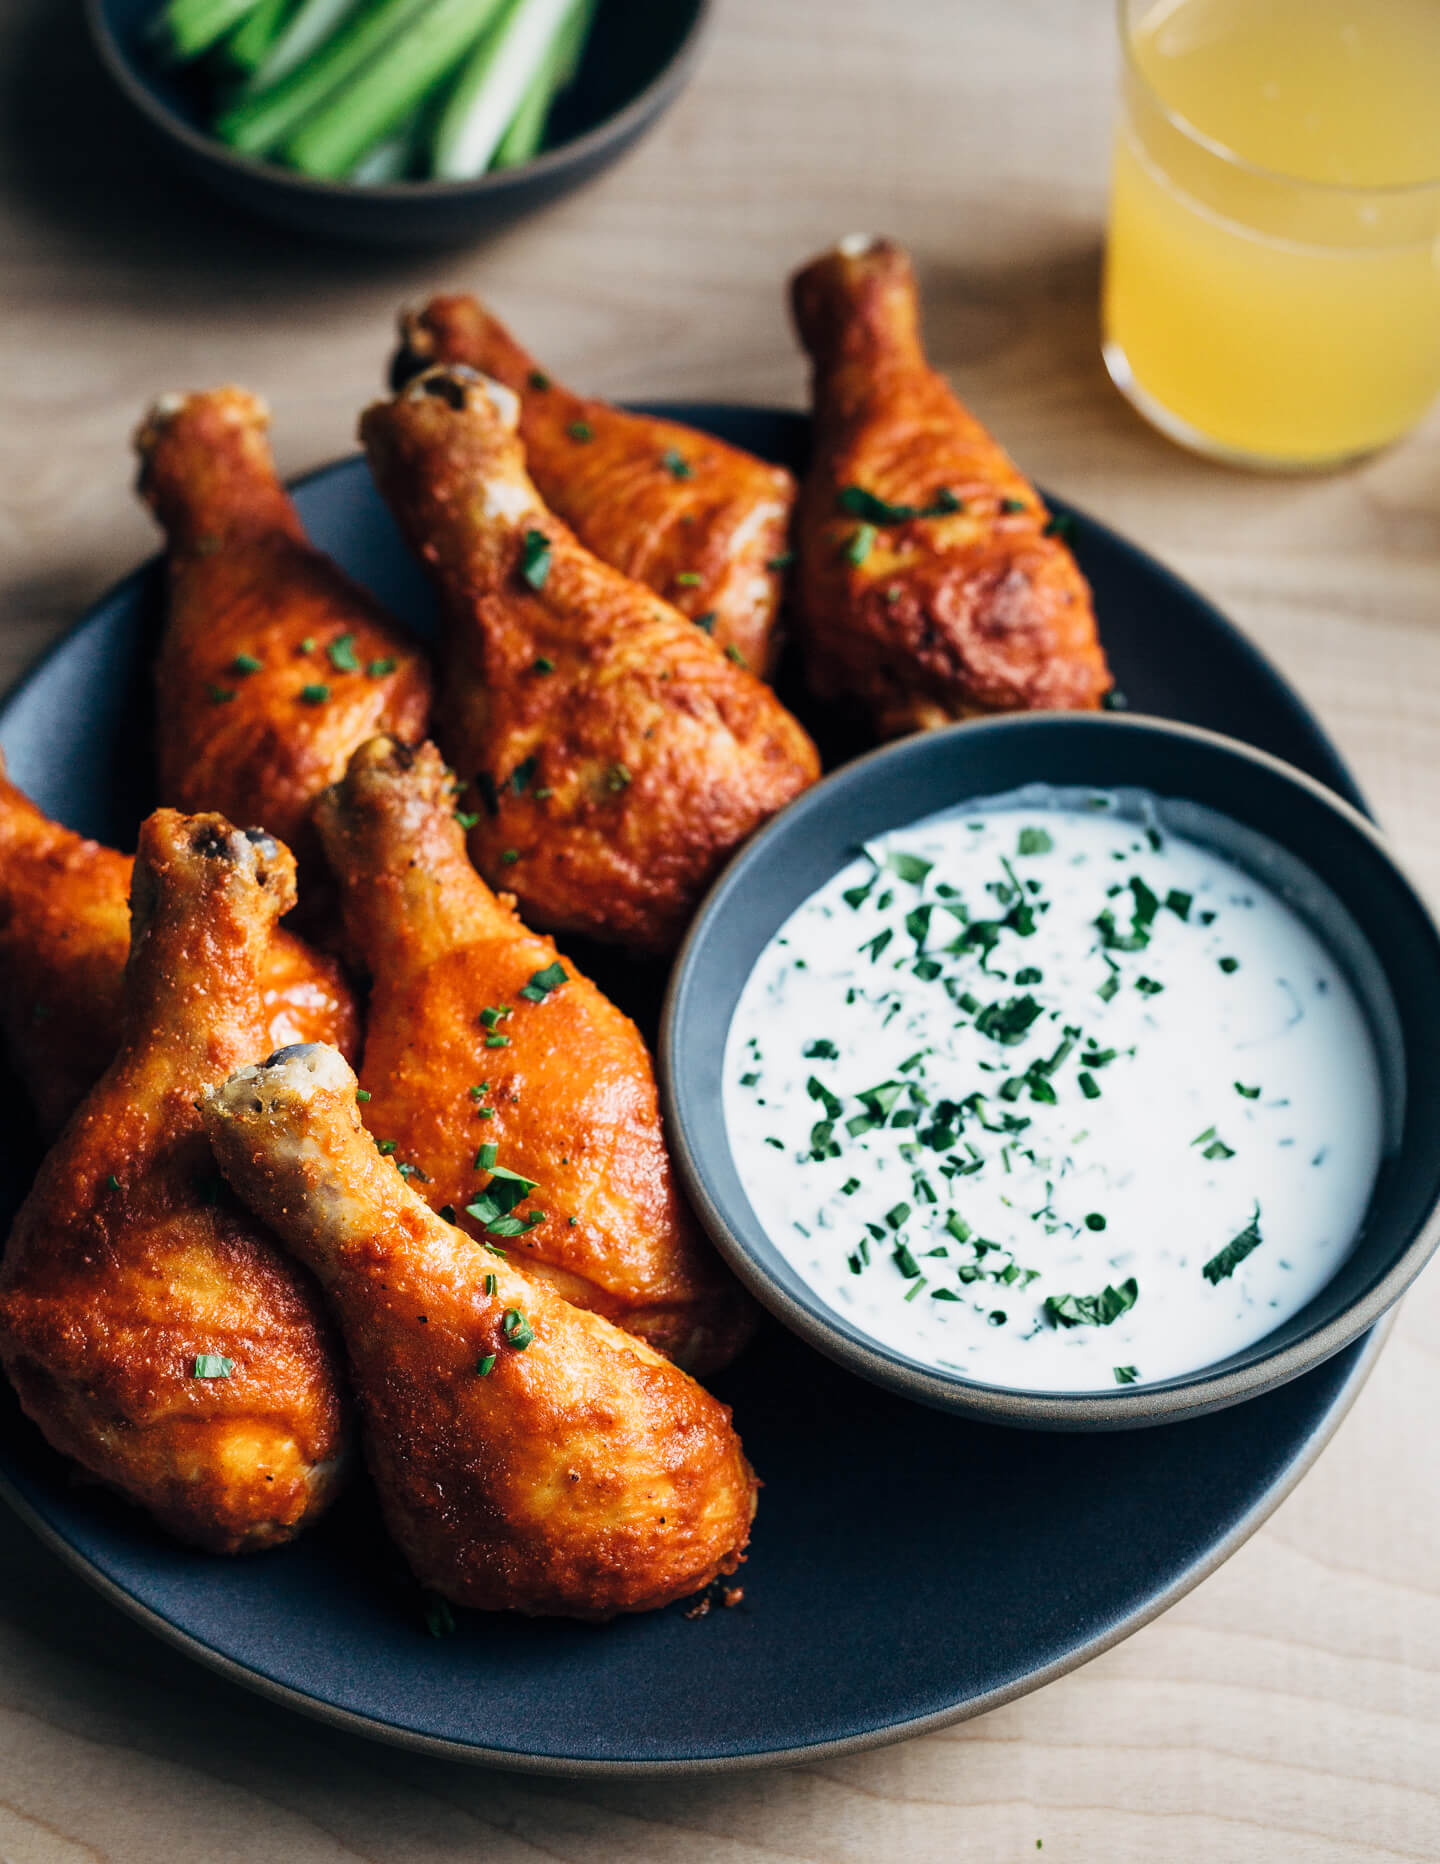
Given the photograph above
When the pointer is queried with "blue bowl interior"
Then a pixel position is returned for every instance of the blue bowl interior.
(631, 43)
(1286, 833)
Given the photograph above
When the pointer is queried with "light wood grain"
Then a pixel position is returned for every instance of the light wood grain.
(1290, 1709)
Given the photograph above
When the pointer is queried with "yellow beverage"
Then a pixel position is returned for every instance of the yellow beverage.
(1272, 275)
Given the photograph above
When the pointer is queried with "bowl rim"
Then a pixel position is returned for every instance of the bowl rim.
(1187, 1395)
(614, 129)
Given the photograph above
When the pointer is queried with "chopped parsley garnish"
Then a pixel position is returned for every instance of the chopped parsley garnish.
(858, 503)
(543, 664)
(782, 562)
(246, 663)
(509, 856)
(1247, 1093)
(823, 1050)
(1094, 1220)
(1179, 903)
(341, 654)
(467, 818)
(1125, 1375)
(580, 430)
(1034, 841)
(316, 693)
(675, 464)
(220, 695)
(537, 379)
(1092, 1310)
(617, 778)
(706, 622)
(732, 653)
(1060, 524)
(535, 559)
(909, 867)
(1008, 1022)
(1224, 1264)
(1012, 505)
(377, 669)
(1229, 965)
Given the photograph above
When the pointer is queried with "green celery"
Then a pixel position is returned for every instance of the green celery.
(523, 140)
(250, 43)
(258, 122)
(387, 89)
(186, 28)
(313, 22)
(492, 87)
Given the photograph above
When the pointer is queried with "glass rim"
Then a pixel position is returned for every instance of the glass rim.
(1339, 190)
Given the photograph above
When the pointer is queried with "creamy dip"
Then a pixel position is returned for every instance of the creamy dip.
(1054, 1098)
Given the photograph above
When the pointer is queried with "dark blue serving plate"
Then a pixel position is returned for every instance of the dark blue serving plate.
(908, 1568)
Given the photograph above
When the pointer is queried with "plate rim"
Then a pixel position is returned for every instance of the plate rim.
(1264, 1503)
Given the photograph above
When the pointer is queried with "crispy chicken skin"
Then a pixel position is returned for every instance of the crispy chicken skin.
(568, 1096)
(616, 756)
(64, 937)
(129, 1261)
(258, 741)
(697, 521)
(529, 1456)
(922, 620)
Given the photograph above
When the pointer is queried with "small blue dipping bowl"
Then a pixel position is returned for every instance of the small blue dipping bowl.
(1281, 826)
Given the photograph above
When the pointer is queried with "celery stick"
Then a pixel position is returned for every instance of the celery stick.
(522, 141)
(492, 87)
(249, 44)
(351, 121)
(257, 123)
(186, 28)
(311, 26)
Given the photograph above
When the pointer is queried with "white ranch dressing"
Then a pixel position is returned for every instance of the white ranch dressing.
(1203, 1166)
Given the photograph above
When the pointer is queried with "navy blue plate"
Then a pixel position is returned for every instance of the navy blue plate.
(908, 1568)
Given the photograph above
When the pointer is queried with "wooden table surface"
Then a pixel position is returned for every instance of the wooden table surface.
(1290, 1708)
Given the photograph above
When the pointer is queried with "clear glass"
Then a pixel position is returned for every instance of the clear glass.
(1272, 318)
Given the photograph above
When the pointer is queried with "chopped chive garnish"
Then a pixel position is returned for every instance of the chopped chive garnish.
(385, 1147)
(706, 622)
(467, 818)
(689, 579)
(860, 543)
(782, 562)
(580, 430)
(537, 379)
(486, 1366)
(377, 669)
(543, 982)
(1228, 965)
(246, 663)
(732, 653)
(362, 1094)
(535, 559)
(314, 694)
(341, 654)
(1034, 841)
(1125, 1375)
(220, 695)
(485, 1157)
(1247, 1093)
(544, 664)
(1094, 1220)
(676, 464)
(213, 1366)
(517, 1329)
(1224, 1264)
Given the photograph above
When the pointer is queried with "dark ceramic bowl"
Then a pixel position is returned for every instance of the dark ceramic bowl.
(639, 56)
(1269, 819)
